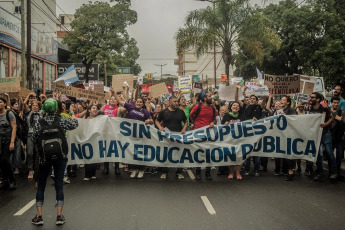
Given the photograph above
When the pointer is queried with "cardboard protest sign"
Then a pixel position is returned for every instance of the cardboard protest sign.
(9, 84)
(140, 80)
(227, 93)
(77, 92)
(185, 83)
(282, 85)
(98, 88)
(261, 91)
(119, 79)
(24, 92)
(158, 90)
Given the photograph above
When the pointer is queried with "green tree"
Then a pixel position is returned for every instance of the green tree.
(228, 25)
(99, 35)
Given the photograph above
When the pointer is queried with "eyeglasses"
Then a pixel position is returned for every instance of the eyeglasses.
(312, 97)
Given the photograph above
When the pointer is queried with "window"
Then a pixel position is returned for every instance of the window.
(3, 62)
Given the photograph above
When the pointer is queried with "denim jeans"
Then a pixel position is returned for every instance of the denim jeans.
(5, 159)
(16, 158)
(326, 141)
(30, 145)
(256, 164)
(338, 145)
(59, 168)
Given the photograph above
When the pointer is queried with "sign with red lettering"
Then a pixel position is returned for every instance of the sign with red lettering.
(282, 85)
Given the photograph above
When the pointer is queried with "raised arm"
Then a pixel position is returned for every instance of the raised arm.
(236, 97)
(117, 97)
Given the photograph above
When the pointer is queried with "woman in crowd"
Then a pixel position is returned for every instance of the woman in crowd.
(234, 116)
(16, 158)
(111, 110)
(8, 129)
(136, 112)
(90, 169)
(32, 116)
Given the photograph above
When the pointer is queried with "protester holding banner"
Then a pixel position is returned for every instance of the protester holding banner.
(136, 112)
(185, 108)
(337, 131)
(285, 104)
(172, 119)
(326, 139)
(8, 129)
(300, 109)
(235, 115)
(276, 106)
(204, 114)
(90, 169)
(111, 111)
(251, 111)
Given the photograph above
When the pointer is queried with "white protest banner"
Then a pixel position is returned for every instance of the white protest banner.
(235, 80)
(282, 85)
(158, 90)
(118, 80)
(108, 139)
(185, 83)
(261, 91)
(251, 88)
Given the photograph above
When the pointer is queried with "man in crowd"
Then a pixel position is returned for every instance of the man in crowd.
(204, 114)
(326, 139)
(172, 118)
(338, 91)
(337, 131)
(251, 111)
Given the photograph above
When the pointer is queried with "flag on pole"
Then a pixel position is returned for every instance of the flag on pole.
(69, 76)
(259, 74)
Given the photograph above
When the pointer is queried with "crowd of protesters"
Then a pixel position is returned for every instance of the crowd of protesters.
(178, 113)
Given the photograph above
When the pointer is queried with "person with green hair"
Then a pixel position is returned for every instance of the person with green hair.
(52, 118)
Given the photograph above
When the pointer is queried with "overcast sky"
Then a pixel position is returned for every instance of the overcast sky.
(158, 21)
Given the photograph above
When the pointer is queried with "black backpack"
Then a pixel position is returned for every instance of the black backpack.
(22, 127)
(52, 143)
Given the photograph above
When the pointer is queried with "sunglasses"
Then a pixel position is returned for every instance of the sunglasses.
(312, 97)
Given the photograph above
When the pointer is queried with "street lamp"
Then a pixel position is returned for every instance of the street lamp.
(214, 45)
(161, 65)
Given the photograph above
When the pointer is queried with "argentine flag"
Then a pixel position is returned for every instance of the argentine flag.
(69, 76)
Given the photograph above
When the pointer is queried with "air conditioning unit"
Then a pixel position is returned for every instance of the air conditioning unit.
(17, 10)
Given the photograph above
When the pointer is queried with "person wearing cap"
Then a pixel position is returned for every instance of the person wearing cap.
(50, 107)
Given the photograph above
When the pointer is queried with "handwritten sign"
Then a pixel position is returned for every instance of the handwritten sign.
(185, 83)
(9, 84)
(77, 92)
(158, 90)
(98, 88)
(119, 79)
(282, 85)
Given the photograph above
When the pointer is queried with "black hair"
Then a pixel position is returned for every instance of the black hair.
(89, 108)
(288, 99)
(172, 97)
(318, 95)
(335, 98)
(3, 100)
(254, 96)
(13, 101)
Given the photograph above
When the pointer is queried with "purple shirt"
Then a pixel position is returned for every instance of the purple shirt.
(136, 114)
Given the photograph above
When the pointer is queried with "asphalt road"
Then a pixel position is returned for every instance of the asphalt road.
(118, 202)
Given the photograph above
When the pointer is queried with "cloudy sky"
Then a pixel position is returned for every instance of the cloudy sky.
(158, 21)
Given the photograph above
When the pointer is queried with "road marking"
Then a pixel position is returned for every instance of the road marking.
(208, 205)
(190, 173)
(25, 208)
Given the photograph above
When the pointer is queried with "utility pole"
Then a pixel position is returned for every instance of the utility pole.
(214, 54)
(28, 47)
(22, 13)
(161, 69)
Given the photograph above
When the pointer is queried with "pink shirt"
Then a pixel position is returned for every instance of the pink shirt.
(112, 112)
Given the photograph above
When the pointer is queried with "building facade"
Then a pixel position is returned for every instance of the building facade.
(44, 46)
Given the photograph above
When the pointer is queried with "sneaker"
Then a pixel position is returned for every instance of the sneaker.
(179, 176)
(147, 171)
(31, 174)
(333, 176)
(37, 220)
(66, 180)
(141, 174)
(16, 171)
(276, 173)
(231, 176)
(164, 176)
(246, 173)
(81, 166)
(317, 177)
(257, 173)
(153, 171)
(238, 177)
(93, 178)
(133, 174)
(60, 220)
(86, 179)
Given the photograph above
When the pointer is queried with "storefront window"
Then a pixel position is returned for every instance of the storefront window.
(37, 73)
(50, 76)
(16, 64)
(3, 62)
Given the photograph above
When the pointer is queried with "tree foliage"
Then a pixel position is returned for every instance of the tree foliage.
(229, 24)
(100, 35)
